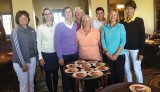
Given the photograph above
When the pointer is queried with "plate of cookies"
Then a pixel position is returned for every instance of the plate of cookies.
(139, 88)
(80, 74)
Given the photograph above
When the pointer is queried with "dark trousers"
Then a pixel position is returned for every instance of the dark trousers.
(51, 71)
(69, 83)
(116, 69)
(91, 85)
(51, 77)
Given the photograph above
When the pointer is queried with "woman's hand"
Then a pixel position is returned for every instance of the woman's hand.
(140, 57)
(41, 61)
(61, 62)
(114, 57)
(108, 55)
(25, 68)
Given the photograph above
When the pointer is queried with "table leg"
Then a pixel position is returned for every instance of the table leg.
(103, 80)
(77, 85)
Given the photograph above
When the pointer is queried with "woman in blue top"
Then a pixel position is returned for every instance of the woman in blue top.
(113, 41)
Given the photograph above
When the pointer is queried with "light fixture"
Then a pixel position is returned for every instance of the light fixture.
(120, 6)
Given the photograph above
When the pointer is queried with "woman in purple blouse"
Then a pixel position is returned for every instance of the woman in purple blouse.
(65, 45)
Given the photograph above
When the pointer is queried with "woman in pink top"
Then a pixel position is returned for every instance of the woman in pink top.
(88, 43)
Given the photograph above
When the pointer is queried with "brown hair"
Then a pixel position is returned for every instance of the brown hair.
(20, 13)
(99, 8)
(131, 4)
(64, 9)
(43, 10)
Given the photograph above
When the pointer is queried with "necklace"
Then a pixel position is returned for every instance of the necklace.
(49, 26)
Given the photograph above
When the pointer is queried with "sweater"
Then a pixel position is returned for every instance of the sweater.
(113, 38)
(88, 45)
(20, 45)
(45, 39)
(65, 39)
(135, 35)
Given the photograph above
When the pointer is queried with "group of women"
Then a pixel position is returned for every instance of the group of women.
(62, 43)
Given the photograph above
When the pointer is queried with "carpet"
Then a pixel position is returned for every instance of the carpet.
(41, 84)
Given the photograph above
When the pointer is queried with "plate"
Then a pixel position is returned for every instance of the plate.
(96, 73)
(10, 53)
(102, 68)
(87, 64)
(71, 66)
(132, 87)
(92, 62)
(98, 64)
(76, 74)
(71, 71)
(91, 69)
(80, 62)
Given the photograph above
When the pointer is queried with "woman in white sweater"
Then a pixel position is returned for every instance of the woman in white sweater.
(46, 50)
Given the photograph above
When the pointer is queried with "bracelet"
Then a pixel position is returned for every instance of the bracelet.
(105, 52)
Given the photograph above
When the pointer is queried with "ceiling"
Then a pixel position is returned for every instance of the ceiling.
(117, 1)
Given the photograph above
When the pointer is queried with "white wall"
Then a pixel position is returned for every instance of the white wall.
(145, 10)
(57, 4)
(26, 5)
(93, 4)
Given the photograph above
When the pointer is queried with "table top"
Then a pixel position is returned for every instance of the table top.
(124, 87)
(5, 57)
(92, 65)
(152, 42)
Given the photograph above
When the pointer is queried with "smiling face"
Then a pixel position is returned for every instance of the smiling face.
(68, 14)
(100, 14)
(48, 16)
(86, 20)
(130, 11)
(113, 16)
(23, 20)
(79, 14)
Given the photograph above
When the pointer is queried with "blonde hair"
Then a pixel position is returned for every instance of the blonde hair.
(80, 9)
(113, 10)
(83, 18)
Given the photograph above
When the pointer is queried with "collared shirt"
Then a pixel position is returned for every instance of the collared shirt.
(132, 19)
(88, 45)
(69, 26)
(65, 39)
(98, 24)
(113, 38)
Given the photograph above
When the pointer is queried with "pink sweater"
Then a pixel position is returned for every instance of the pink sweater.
(88, 45)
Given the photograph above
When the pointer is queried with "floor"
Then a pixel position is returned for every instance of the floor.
(148, 74)
(9, 83)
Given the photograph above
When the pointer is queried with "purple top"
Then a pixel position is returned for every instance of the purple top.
(65, 40)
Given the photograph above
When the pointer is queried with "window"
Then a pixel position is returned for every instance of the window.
(7, 23)
(58, 15)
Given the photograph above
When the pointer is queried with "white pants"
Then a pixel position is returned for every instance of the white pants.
(131, 57)
(26, 79)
